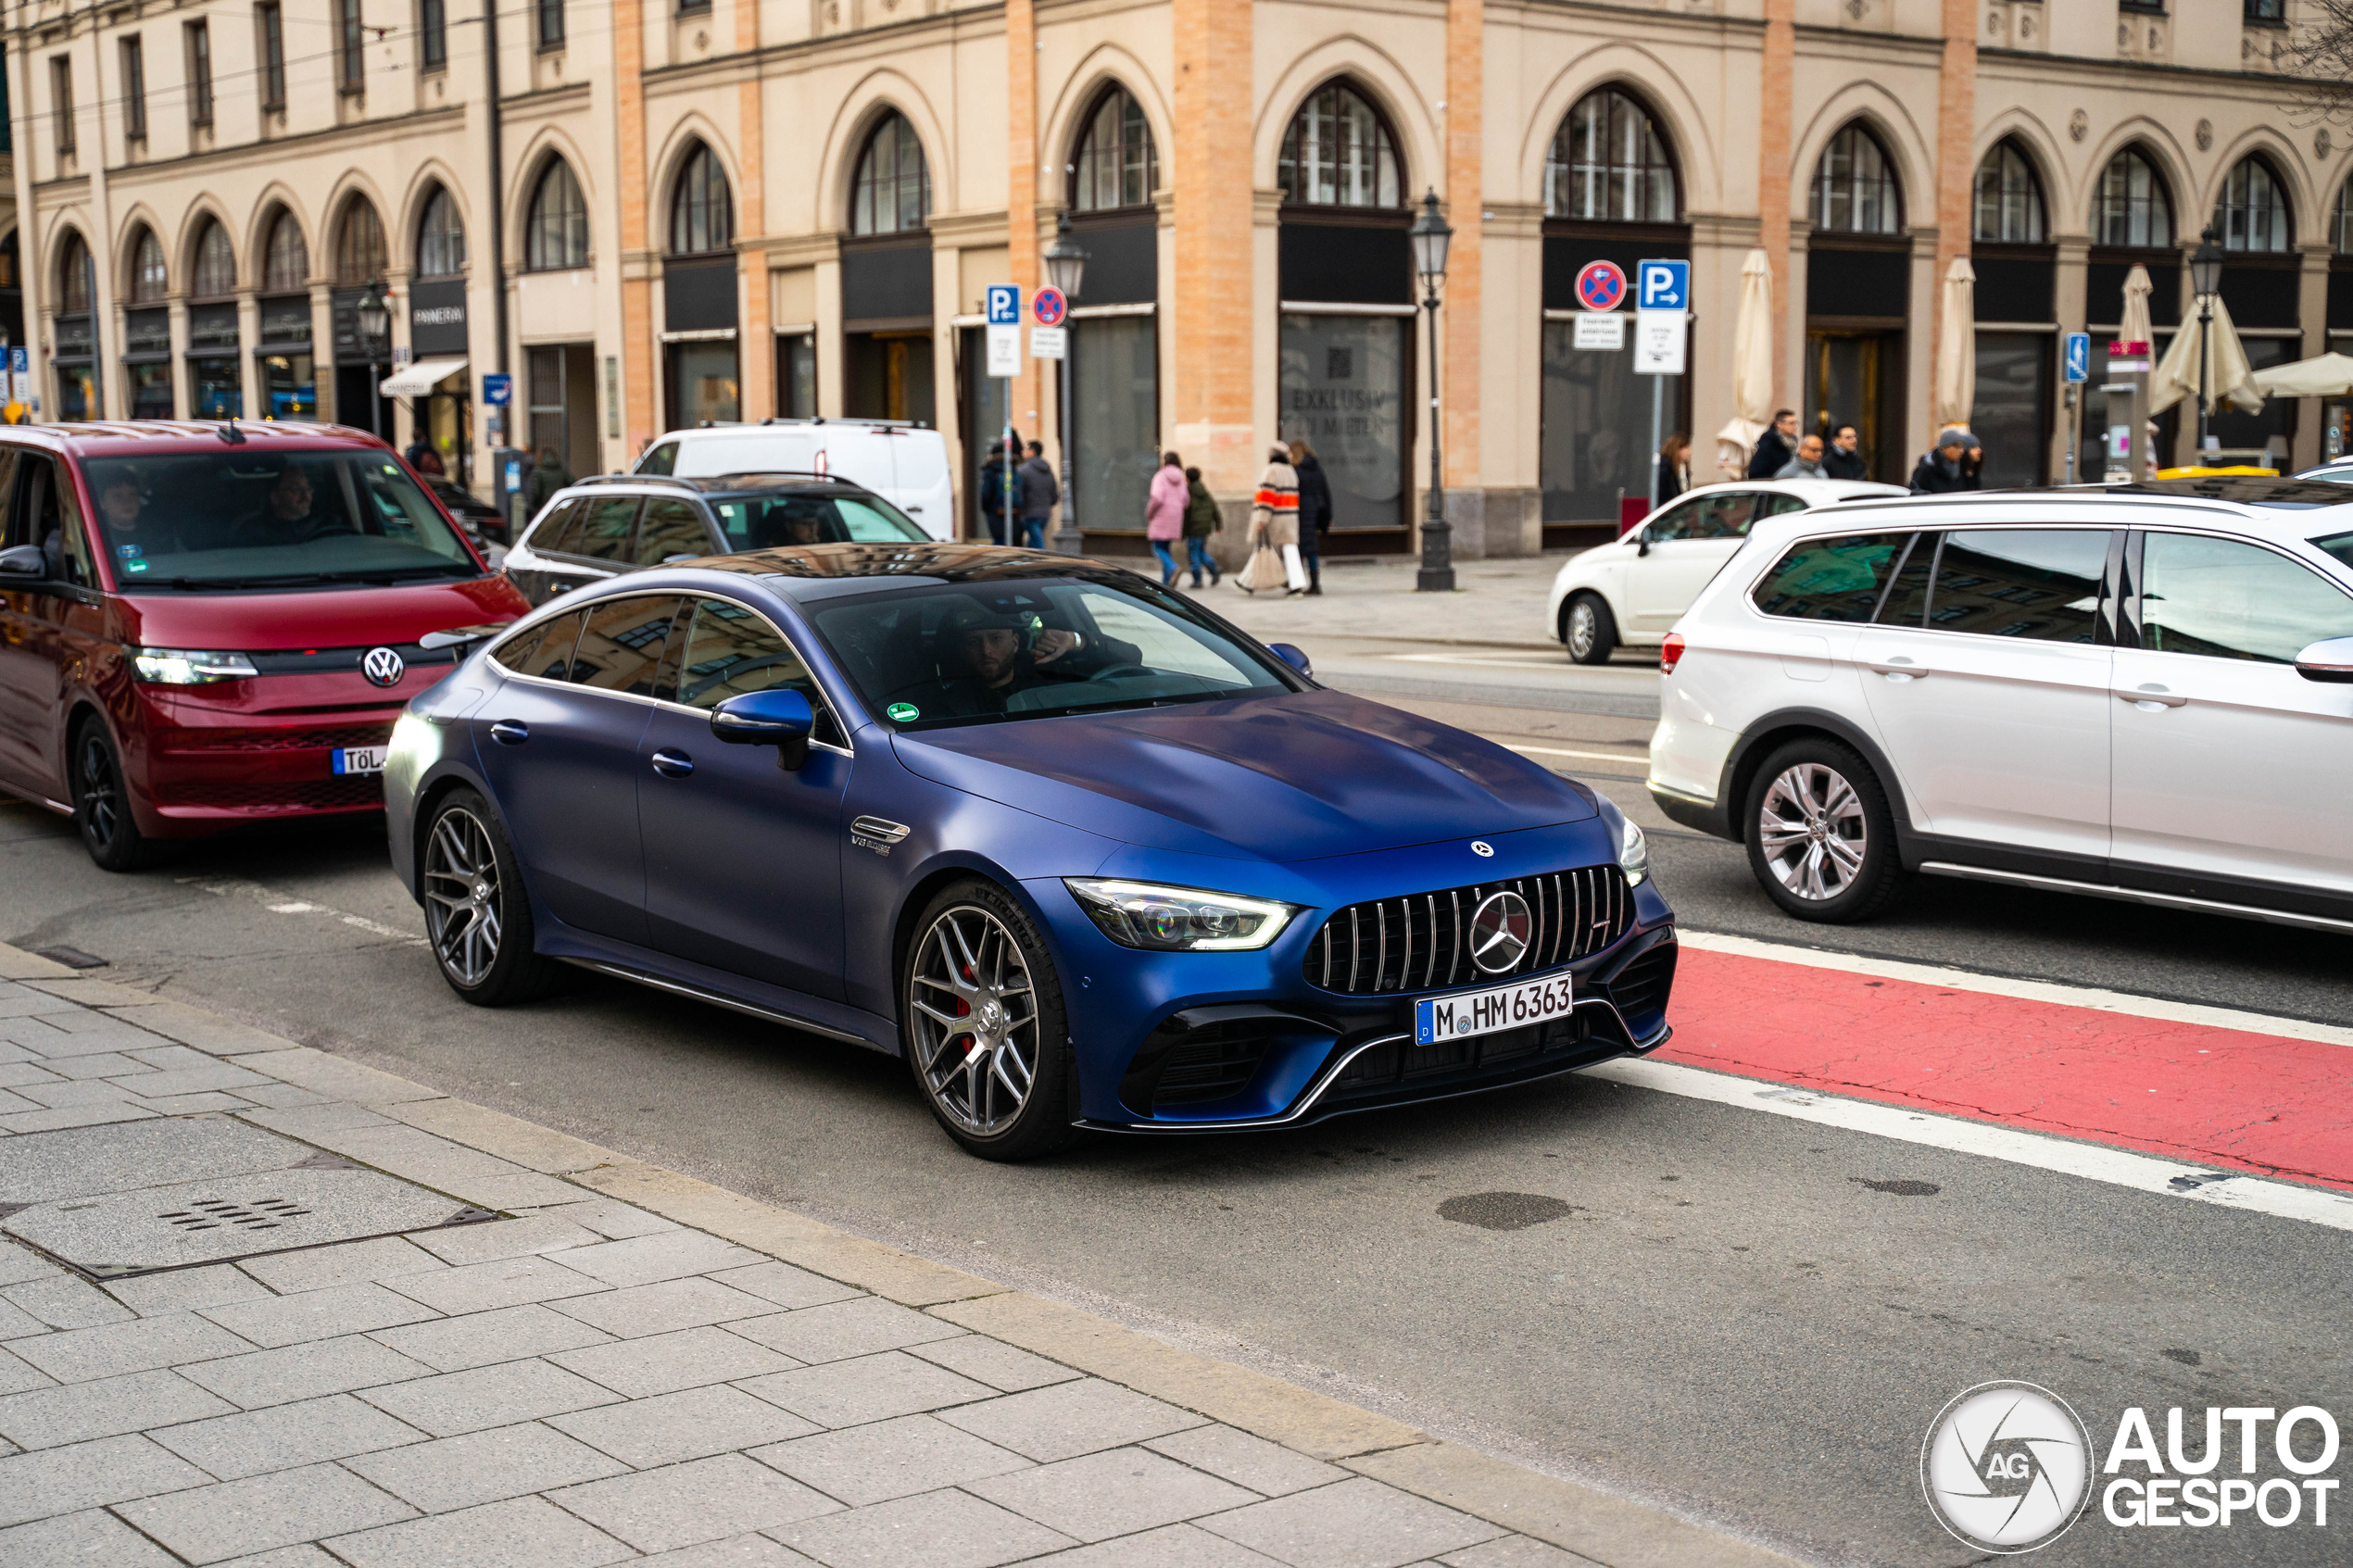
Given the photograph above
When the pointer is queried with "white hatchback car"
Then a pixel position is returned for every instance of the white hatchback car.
(2140, 693)
(905, 464)
(1630, 591)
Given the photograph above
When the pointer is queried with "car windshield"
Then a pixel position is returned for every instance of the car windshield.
(969, 653)
(228, 520)
(755, 523)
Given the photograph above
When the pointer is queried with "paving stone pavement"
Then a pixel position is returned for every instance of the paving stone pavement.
(588, 1380)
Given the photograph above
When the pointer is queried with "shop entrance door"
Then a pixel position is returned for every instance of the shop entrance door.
(564, 405)
(1855, 376)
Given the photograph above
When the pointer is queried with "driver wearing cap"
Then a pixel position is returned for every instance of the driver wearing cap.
(1003, 652)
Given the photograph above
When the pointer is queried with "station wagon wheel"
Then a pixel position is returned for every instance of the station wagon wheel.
(1821, 837)
(1588, 630)
(477, 916)
(984, 1027)
(101, 804)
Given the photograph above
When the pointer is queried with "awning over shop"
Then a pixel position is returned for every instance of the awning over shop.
(420, 378)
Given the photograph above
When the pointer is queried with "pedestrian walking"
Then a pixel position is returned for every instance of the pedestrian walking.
(423, 459)
(1844, 458)
(1674, 469)
(1314, 511)
(1948, 467)
(1200, 521)
(1038, 493)
(1274, 531)
(992, 492)
(1776, 446)
(1165, 513)
(548, 476)
(1807, 464)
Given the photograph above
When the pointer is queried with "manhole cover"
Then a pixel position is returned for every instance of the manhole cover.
(141, 1197)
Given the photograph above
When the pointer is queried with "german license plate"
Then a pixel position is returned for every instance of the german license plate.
(361, 760)
(1484, 1012)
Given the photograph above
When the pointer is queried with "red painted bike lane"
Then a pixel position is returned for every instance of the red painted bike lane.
(2227, 1097)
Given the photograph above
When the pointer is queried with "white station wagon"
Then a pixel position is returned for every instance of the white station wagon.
(2142, 692)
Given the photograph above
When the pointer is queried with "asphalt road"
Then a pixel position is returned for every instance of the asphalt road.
(1726, 1320)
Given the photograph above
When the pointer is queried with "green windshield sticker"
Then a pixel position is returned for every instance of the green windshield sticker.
(903, 712)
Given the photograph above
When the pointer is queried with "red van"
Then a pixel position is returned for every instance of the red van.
(203, 625)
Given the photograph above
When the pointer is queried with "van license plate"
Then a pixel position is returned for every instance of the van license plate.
(361, 760)
(1484, 1012)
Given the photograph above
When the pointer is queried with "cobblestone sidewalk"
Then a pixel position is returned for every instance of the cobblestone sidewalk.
(635, 1366)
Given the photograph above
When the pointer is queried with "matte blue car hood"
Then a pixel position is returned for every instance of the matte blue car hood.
(1295, 777)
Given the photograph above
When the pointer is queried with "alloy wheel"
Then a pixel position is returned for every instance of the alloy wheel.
(462, 896)
(1813, 831)
(101, 805)
(1581, 629)
(975, 1019)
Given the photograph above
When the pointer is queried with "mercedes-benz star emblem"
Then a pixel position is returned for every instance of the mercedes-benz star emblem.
(382, 667)
(1484, 849)
(1500, 929)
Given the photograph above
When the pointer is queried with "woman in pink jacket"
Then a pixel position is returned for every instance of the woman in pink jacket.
(1165, 513)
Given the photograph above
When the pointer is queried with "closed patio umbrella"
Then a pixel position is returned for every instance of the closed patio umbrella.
(2228, 378)
(2136, 328)
(1957, 345)
(2329, 375)
(1752, 367)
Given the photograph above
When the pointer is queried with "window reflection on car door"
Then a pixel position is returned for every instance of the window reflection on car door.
(1686, 547)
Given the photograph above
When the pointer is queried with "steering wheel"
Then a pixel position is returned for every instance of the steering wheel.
(320, 527)
(1118, 672)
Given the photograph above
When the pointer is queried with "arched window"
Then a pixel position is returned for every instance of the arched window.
(1337, 152)
(440, 237)
(285, 259)
(556, 236)
(2341, 220)
(1855, 190)
(360, 245)
(1117, 165)
(150, 279)
(1609, 163)
(73, 276)
(2009, 199)
(2253, 213)
(2132, 209)
(702, 208)
(216, 269)
(892, 192)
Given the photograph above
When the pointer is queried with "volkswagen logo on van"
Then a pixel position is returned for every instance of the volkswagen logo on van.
(382, 667)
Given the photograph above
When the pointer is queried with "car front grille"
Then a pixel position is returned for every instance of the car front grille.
(1641, 988)
(1417, 943)
(278, 740)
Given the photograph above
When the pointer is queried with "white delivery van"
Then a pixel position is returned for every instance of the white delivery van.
(905, 464)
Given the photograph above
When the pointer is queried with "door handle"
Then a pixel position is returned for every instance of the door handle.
(2152, 698)
(510, 732)
(1898, 669)
(673, 764)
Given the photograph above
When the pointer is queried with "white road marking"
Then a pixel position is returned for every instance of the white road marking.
(2141, 1173)
(2092, 997)
(279, 903)
(1515, 661)
(1597, 756)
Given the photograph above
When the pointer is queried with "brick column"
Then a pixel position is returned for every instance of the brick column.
(1773, 173)
(1215, 244)
(755, 345)
(1459, 328)
(1022, 194)
(1956, 171)
(640, 355)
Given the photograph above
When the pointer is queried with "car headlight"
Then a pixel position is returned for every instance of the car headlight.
(1178, 920)
(1634, 855)
(188, 667)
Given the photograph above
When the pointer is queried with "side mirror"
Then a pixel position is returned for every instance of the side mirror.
(2331, 661)
(23, 561)
(780, 717)
(1295, 657)
(1642, 541)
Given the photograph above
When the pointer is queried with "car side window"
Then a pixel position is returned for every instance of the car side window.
(661, 460)
(670, 528)
(562, 518)
(1721, 516)
(731, 650)
(57, 524)
(2036, 584)
(1906, 601)
(1774, 504)
(2229, 600)
(544, 650)
(1836, 579)
(621, 644)
(1695, 519)
(600, 530)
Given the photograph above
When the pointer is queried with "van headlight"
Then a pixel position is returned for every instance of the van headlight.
(1634, 855)
(187, 667)
(1178, 920)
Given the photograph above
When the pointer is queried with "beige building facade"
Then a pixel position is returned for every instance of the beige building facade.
(747, 208)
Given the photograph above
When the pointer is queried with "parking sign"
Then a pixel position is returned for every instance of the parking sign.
(2079, 357)
(1662, 286)
(1005, 305)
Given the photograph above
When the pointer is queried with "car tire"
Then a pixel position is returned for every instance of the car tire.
(1588, 630)
(102, 802)
(976, 954)
(477, 912)
(1821, 834)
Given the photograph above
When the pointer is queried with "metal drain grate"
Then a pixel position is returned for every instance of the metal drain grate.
(210, 1214)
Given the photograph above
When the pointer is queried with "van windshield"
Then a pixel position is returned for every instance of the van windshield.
(229, 520)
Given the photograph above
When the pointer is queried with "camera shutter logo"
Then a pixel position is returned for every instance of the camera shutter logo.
(1500, 929)
(382, 667)
(2007, 1467)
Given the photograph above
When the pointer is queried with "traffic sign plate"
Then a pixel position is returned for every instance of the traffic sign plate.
(1050, 307)
(1005, 305)
(1601, 285)
(2079, 357)
(1666, 285)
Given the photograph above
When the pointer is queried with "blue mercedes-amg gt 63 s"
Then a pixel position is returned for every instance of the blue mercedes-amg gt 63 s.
(1082, 854)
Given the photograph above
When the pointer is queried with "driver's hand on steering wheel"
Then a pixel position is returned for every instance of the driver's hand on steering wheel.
(1052, 644)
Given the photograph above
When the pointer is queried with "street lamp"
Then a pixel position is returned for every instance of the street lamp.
(1429, 236)
(1065, 268)
(2206, 282)
(375, 319)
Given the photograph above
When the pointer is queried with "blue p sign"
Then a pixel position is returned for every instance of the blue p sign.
(2079, 357)
(1005, 305)
(1662, 286)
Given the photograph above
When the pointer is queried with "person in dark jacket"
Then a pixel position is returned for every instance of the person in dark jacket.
(1038, 494)
(1952, 465)
(1314, 512)
(1776, 446)
(992, 492)
(1844, 458)
(1674, 469)
(1202, 519)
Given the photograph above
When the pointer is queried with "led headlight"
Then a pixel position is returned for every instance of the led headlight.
(187, 667)
(1634, 855)
(1178, 920)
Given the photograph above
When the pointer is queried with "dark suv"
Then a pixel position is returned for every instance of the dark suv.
(613, 523)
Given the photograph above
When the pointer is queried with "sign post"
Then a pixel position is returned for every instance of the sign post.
(1661, 316)
(2076, 359)
(1004, 362)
